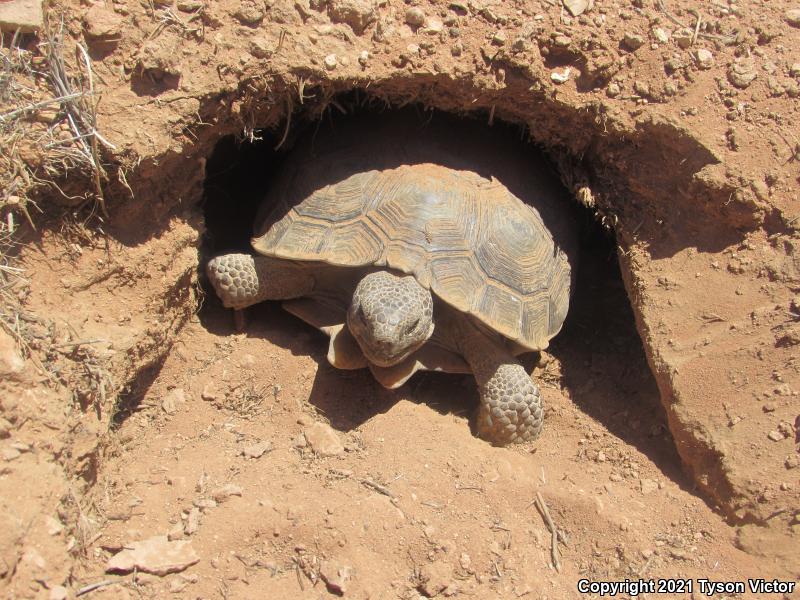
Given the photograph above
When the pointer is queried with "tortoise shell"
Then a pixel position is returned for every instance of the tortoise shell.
(467, 238)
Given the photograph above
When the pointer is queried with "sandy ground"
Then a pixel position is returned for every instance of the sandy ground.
(131, 408)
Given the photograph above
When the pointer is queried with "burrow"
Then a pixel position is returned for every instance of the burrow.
(630, 180)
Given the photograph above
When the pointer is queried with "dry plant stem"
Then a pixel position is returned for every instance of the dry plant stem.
(381, 489)
(554, 533)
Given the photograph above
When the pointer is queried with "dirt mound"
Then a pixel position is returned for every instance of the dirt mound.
(126, 413)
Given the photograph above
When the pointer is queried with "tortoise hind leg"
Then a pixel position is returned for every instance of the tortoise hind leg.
(242, 280)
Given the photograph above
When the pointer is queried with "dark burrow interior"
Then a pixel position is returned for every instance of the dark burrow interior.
(597, 359)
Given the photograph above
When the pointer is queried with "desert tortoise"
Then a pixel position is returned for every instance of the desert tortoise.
(420, 266)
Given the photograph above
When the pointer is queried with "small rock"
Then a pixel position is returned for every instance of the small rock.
(435, 578)
(791, 462)
(101, 23)
(9, 454)
(415, 17)
(704, 58)
(561, 77)
(54, 526)
(176, 533)
(742, 72)
(683, 38)
(601, 456)
(330, 62)
(633, 41)
(641, 88)
(250, 13)
(192, 522)
(336, 579)
(499, 38)
(613, 90)
(23, 15)
(204, 503)
(648, 486)
(189, 6)
(464, 561)
(660, 35)
(434, 26)
(794, 70)
(363, 58)
(156, 555)
(170, 402)
(792, 17)
(11, 363)
(58, 592)
(209, 394)
(221, 494)
(257, 450)
(260, 47)
(576, 7)
(323, 440)
(776, 436)
(5, 428)
(358, 14)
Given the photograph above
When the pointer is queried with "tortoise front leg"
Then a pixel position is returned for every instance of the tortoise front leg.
(242, 280)
(511, 404)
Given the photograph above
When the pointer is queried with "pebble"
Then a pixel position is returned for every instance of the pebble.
(792, 17)
(176, 533)
(250, 13)
(358, 14)
(223, 493)
(775, 436)
(641, 88)
(58, 592)
(683, 37)
(791, 462)
(5, 428)
(561, 77)
(435, 578)
(794, 70)
(209, 394)
(330, 62)
(171, 401)
(189, 6)
(192, 521)
(613, 90)
(156, 555)
(435, 26)
(633, 41)
(323, 440)
(742, 72)
(9, 454)
(335, 578)
(415, 17)
(576, 7)
(101, 23)
(704, 58)
(257, 450)
(648, 486)
(260, 47)
(11, 363)
(660, 35)
(363, 58)
(499, 38)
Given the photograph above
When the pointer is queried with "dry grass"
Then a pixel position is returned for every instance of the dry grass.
(48, 132)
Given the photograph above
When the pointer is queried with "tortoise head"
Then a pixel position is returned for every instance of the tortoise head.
(390, 316)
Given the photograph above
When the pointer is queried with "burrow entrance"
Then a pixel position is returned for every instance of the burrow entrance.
(597, 359)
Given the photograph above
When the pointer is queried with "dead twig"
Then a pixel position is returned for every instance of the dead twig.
(381, 489)
(96, 586)
(555, 534)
